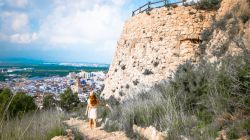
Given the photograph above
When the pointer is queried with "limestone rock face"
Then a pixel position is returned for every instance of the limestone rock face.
(153, 45)
(231, 36)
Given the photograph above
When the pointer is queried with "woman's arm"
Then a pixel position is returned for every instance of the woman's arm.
(109, 107)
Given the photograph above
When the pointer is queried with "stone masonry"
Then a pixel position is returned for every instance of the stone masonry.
(152, 45)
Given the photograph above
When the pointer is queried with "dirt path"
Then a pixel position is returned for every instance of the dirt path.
(94, 134)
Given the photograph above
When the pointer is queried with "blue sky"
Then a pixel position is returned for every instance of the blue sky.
(63, 30)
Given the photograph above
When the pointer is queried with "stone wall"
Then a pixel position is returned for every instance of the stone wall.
(153, 45)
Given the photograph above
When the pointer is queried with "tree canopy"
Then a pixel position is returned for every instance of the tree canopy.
(49, 102)
(69, 100)
(15, 104)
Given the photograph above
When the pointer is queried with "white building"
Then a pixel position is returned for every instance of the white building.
(99, 74)
(77, 88)
(72, 75)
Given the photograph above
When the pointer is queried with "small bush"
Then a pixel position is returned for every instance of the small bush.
(191, 13)
(242, 10)
(238, 129)
(103, 112)
(206, 34)
(147, 72)
(136, 82)
(49, 102)
(77, 134)
(209, 4)
(69, 100)
(244, 18)
(111, 126)
(57, 131)
(221, 24)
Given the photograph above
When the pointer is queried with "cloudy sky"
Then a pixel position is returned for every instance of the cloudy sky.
(62, 30)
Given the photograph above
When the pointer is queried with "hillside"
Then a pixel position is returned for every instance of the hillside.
(154, 44)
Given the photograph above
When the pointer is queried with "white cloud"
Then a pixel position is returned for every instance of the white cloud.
(23, 38)
(94, 24)
(14, 22)
(83, 22)
(15, 28)
(19, 22)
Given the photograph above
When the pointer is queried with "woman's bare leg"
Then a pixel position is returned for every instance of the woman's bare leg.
(90, 123)
(94, 120)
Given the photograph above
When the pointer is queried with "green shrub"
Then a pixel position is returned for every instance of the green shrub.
(77, 134)
(49, 102)
(244, 18)
(103, 112)
(111, 126)
(15, 105)
(20, 104)
(147, 72)
(57, 131)
(5, 97)
(233, 133)
(238, 128)
(69, 100)
(206, 34)
(209, 4)
(190, 102)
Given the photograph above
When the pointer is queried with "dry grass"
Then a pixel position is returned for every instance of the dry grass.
(40, 126)
(191, 103)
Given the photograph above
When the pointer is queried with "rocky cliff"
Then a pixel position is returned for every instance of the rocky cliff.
(153, 44)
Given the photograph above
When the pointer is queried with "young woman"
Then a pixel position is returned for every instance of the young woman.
(91, 109)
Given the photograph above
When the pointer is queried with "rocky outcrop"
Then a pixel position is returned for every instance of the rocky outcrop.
(228, 35)
(149, 133)
(154, 44)
(70, 136)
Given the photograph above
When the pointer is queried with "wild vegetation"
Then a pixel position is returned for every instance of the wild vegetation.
(209, 4)
(197, 103)
(200, 100)
(49, 102)
(69, 100)
(20, 119)
(232, 24)
(12, 105)
(41, 125)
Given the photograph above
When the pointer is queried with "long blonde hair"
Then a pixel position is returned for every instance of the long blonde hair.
(92, 98)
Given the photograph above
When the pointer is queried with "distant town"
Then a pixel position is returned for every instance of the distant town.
(80, 83)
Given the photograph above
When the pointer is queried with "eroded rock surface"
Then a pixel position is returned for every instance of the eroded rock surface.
(153, 45)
